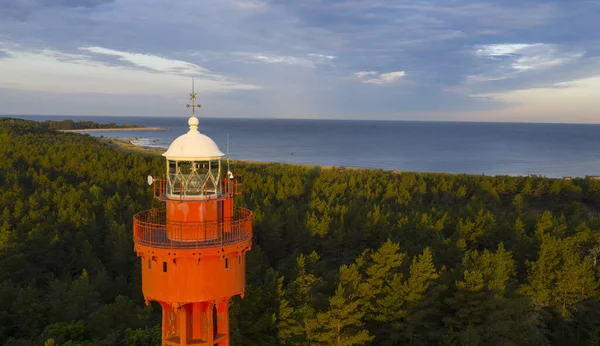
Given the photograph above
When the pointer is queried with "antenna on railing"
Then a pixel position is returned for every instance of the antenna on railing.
(229, 174)
(228, 153)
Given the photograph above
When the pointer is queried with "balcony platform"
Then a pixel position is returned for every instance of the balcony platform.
(150, 229)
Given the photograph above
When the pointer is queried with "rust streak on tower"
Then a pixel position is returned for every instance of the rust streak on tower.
(193, 249)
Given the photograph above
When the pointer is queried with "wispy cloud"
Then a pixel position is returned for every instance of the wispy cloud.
(482, 78)
(310, 60)
(285, 60)
(529, 56)
(363, 74)
(52, 70)
(384, 78)
(321, 56)
(506, 61)
(252, 5)
(501, 49)
(151, 62)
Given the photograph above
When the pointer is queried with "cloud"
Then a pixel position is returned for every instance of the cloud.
(310, 60)
(529, 56)
(250, 5)
(501, 49)
(329, 57)
(499, 63)
(363, 74)
(384, 78)
(285, 60)
(56, 71)
(482, 79)
(153, 62)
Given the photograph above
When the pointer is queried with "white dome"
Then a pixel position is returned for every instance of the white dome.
(193, 145)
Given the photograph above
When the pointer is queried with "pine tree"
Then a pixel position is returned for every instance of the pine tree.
(307, 326)
(341, 324)
(382, 289)
(301, 290)
(286, 324)
(559, 277)
(544, 224)
(419, 310)
(301, 296)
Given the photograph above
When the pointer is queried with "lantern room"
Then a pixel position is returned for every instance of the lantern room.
(193, 165)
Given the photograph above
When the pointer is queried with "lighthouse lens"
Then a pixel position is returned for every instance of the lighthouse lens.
(194, 178)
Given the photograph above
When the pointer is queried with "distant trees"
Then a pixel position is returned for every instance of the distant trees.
(82, 125)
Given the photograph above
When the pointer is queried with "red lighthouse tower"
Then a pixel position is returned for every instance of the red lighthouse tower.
(193, 249)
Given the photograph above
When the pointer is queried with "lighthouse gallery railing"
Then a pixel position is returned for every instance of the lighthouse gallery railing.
(150, 228)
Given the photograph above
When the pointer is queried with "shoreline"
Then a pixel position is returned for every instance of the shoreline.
(124, 144)
(118, 129)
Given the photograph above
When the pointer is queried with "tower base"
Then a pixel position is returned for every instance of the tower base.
(200, 323)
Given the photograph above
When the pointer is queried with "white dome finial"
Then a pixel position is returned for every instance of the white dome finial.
(193, 122)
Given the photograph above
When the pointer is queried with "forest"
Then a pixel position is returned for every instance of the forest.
(81, 125)
(339, 257)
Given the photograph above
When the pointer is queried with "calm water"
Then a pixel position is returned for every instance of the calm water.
(553, 150)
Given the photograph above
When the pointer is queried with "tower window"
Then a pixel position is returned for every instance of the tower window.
(215, 321)
(149, 264)
(226, 263)
(164, 267)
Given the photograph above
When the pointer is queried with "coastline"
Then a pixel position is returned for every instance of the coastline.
(119, 129)
(124, 144)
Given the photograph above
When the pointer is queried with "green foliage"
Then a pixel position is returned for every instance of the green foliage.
(68, 273)
(143, 337)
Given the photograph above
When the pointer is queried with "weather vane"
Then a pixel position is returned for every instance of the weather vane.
(193, 99)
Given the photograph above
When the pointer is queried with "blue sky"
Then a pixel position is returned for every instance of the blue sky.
(359, 59)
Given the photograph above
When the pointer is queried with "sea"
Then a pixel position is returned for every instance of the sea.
(551, 150)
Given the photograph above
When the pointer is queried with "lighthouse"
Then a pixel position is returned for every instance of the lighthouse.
(192, 249)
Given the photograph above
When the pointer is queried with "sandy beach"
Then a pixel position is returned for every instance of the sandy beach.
(124, 144)
(119, 129)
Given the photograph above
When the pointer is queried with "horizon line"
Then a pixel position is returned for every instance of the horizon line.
(315, 119)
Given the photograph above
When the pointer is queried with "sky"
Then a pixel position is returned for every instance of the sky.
(455, 60)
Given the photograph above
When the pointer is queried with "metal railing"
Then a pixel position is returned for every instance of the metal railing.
(151, 228)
